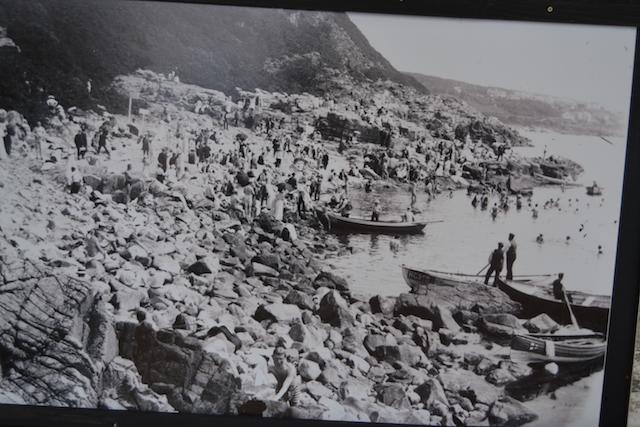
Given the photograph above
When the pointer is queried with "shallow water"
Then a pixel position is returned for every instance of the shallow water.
(463, 242)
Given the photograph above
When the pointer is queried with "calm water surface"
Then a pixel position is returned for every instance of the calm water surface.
(462, 242)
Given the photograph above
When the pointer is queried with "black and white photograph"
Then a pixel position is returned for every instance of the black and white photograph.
(333, 216)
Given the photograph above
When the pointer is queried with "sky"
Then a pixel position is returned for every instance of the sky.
(579, 62)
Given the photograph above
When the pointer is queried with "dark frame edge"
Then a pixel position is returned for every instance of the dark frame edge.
(594, 12)
(622, 320)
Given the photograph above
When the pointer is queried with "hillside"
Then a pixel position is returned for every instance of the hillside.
(531, 110)
(63, 44)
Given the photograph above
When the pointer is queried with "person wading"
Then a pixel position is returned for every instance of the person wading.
(496, 261)
(511, 255)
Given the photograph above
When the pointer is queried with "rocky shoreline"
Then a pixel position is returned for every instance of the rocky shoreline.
(183, 313)
(156, 297)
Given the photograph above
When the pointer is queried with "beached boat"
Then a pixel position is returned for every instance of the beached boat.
(539, 348)
(556, 181)
(536, 297)
(417, 278)
(594, 190)
(361, 225)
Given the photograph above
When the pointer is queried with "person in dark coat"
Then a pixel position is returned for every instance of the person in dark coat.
(81, 142)
(511, 256)
(102, 140)
(496, 261)
(558, 287)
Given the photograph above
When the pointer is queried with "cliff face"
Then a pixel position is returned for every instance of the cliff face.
(63, 44)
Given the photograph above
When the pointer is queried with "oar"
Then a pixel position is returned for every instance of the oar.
(435, 222)
(483, 268)
(573, 318)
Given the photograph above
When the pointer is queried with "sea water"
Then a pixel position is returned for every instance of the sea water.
(465, 238)
(463, 241)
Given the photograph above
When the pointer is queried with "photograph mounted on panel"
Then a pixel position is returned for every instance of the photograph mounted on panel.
(335, 216)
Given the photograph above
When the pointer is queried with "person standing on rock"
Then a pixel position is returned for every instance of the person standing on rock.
(511, 255)
(40, 137)
(288, 380)
(102, 141)
(496, 261)
(80, 141)
(75, 180)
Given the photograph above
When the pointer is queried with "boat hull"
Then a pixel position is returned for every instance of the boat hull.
(358, 225)
(594, 317)
(420, 280)
(531, 349)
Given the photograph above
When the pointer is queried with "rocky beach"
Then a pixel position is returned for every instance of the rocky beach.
(252, 212)
(169, 297)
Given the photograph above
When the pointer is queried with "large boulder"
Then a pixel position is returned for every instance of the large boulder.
(393, 395)
(509, 412)
(333, 309)
(501, 325)
(384, 305)
(55, 336)
(300, 299)
(329, 280)
(431, 392)
(462, 296)
(469, 385)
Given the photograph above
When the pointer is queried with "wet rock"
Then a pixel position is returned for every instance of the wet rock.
(542, 324)
(392, 395)
(278, 312)
(509, 412)
(384, 305)
(329, 280)
(333, 309)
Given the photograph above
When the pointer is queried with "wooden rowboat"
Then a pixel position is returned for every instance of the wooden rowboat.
(365, 226)
(594, 190)
(536, 297)
(538, 348)
(556, 181)
(417, 278)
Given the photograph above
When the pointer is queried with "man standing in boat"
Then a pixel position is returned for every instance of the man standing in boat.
(558, 287)
(496, 261)
(511, 255)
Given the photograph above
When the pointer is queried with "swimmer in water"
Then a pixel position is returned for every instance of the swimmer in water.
(540, 239)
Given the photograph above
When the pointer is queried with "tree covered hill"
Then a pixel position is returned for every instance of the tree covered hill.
(530, 110)
(65, 43)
